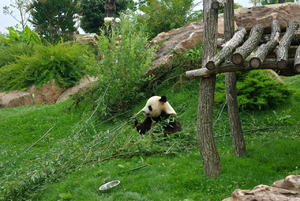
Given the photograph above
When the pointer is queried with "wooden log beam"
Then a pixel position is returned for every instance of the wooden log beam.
(230, 67)
(265, 49)
(245, 50)
(218, 4)
(284, 44)
(227, 49)
(297, 60)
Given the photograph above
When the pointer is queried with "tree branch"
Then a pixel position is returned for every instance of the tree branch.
(265, 49)
(284, 44)
(227, 49)
(245, 50)
(297, 60)
(230, 67)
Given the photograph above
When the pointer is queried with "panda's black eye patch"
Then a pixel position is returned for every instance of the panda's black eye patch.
(150, 108)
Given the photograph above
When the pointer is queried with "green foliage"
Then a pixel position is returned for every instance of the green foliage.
(15, 36)
(64, 62)
(54, 19)
(236, 5)
(93, 13)
(9, 54)
(168, 14)
(122, 67)
(255, 90)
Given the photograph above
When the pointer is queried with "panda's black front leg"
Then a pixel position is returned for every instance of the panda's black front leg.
(142, 128)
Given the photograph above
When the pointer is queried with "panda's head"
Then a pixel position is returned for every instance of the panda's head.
(156, 105)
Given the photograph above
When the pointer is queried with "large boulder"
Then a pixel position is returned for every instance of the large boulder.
(84, 84)
(282, 190)
(47, 94)
(190, 35)
(15, 99)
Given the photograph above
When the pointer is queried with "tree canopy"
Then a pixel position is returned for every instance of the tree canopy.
(93, 13)
(54, 18)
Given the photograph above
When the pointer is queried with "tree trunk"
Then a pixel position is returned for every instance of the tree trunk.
(245, 50)
(284, 44)
(110, 9)
(281, 1)
(238, 141)
(297, 60)
(208, 151)
(230, 67)
(227, 49)
(265, 49)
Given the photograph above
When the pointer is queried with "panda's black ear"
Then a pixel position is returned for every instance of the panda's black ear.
(153, 94)
(163, 99)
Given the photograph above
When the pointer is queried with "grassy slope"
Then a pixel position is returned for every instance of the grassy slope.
(271, 154)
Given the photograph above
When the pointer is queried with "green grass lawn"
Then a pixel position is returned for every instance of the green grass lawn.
(77, 156)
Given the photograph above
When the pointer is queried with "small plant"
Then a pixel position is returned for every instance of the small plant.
(15, 36)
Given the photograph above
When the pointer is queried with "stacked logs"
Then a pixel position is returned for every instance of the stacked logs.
(286, 66)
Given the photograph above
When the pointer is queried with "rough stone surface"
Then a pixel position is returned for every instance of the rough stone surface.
(90, 39)
(282, 190)
(15, 99)
(47, 94)
(83, 85)
(189, 36)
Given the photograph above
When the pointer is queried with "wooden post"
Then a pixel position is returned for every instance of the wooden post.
(245, 50)
(265, 49)
(236, 130)
(208, 151)
(284, 44)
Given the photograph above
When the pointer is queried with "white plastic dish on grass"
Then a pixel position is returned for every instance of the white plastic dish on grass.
(109, 185)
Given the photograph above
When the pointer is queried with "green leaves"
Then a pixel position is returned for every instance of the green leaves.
(63, 62)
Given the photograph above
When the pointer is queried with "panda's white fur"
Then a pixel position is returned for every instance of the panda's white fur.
(156, 105)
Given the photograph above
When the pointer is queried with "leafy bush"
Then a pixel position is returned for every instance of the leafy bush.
(255, 90)
(122, 67)
(9, 54)
(64, 62)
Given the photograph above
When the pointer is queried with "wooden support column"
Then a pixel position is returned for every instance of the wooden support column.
(227, 49)
(297, 60)
(205, 138)
(284, 44)
(245, 50)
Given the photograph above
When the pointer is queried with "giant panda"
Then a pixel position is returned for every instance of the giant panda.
(158, 109)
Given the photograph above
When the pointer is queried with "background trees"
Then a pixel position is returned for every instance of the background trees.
(54, 19)
(22, 7)
(93, 13)
(165, 15)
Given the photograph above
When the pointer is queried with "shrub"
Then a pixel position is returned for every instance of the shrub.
(64, 62)
(9, 54)
(255, 90)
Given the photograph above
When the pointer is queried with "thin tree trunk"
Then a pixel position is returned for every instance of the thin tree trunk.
(245, 50)
(209, 154)
(265, 49)
(238, 141)
(284, 44)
